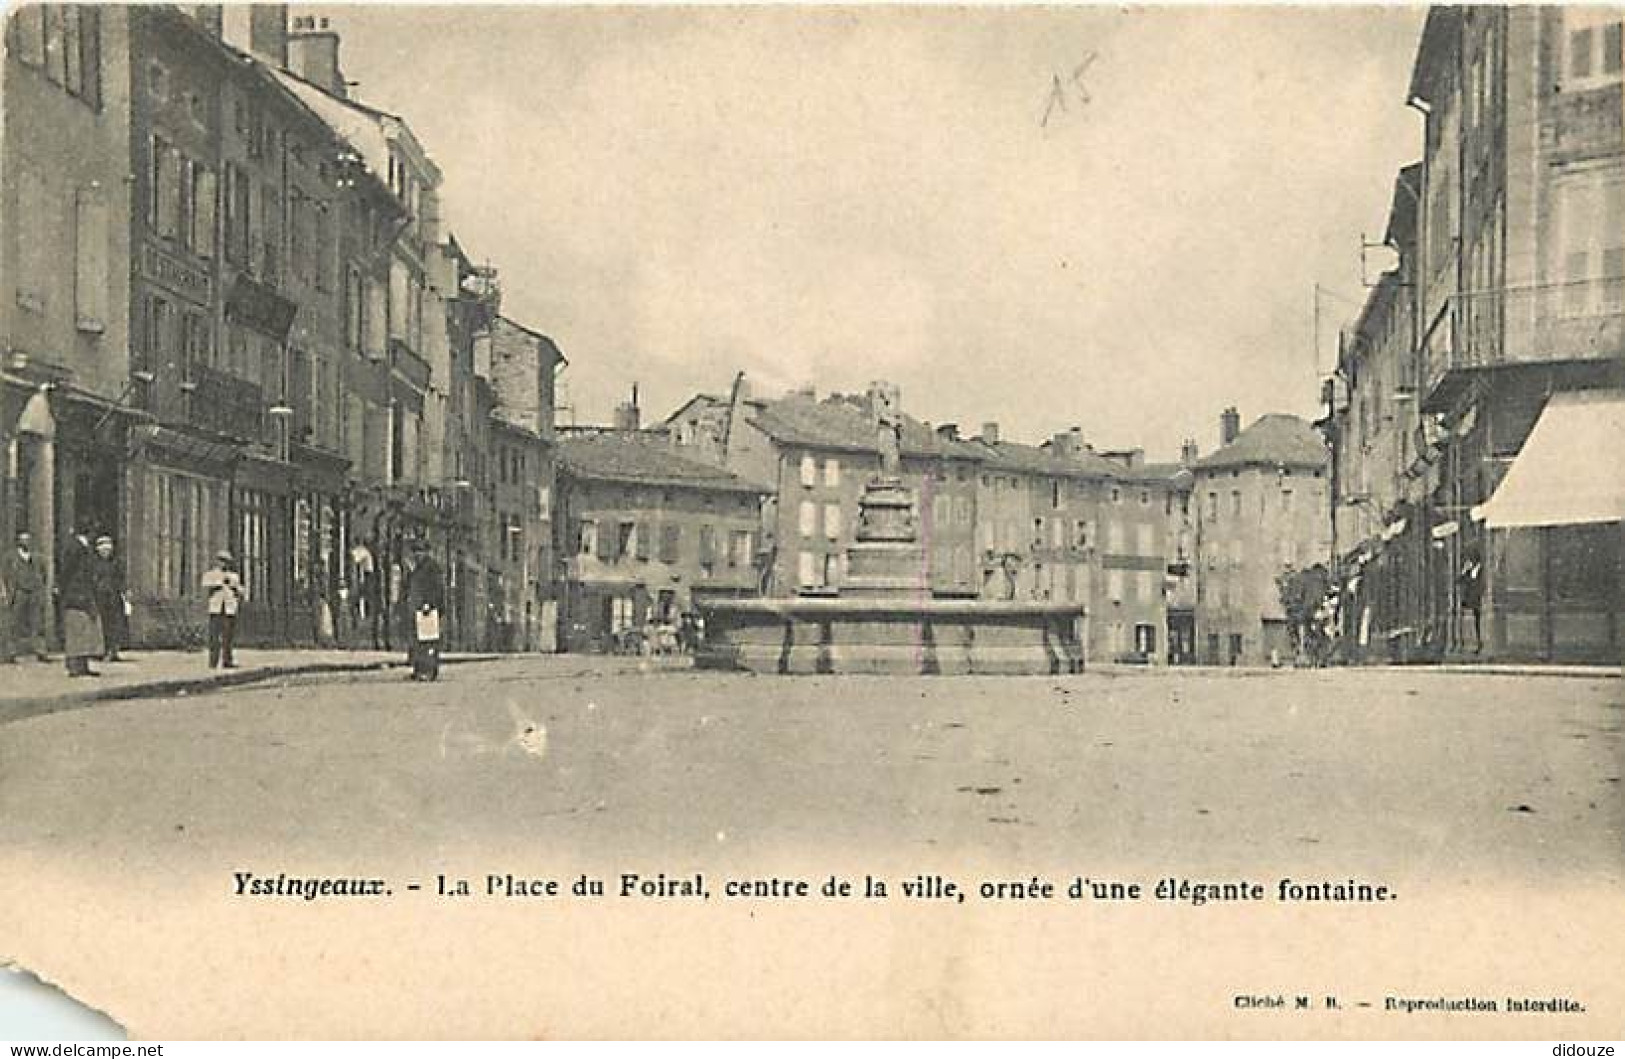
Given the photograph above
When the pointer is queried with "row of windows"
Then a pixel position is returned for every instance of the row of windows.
(643, 541)
(808, 521)
(809, 471)
(1214, 504)
(1059, 533)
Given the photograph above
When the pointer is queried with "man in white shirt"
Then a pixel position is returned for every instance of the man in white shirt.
(223, 588)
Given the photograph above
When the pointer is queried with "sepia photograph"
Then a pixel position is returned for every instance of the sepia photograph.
(813, 522)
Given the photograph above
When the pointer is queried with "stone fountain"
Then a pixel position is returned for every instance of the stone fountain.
(884, 619)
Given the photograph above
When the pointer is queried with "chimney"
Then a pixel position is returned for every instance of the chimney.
(268, 33)
(210, 16)
(627, 415)
(1229, 425)
(948, 432)
(1187, 452)
(313, 55)
(990, 433)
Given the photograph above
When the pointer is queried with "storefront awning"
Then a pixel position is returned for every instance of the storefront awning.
(1569, 471)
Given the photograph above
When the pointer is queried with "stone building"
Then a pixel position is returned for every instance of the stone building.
(1389, 569)
(237, 322)
(1521, 294)
(64, 255)
(647, 532)
(1262, 508)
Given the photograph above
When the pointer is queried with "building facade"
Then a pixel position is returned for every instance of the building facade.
(1262, 504)
(647, 533)
(1521, 294)
(65, 147)
(234, 321)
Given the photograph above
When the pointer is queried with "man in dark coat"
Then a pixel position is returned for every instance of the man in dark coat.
(24, 579)
(425, 599)
(109, 573)
(81, 624)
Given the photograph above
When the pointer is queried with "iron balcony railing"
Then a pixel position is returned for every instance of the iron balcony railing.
(1579, 320)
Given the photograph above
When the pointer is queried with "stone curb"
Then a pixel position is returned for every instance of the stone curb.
(21, 709)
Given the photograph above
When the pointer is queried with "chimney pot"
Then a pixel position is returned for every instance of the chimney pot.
(990, 433)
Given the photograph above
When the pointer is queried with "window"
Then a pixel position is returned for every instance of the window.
(832, 521)
(739, 548)
(1590, 252)
(253, 540)
(1055, 496)
(589, 537)
(1117, 495)
(708, 548)
(237, 209)
(1080, 533)
(1146, 585)
(1213, 507)
(808, 523)
(832, 471)
(1145, 639)
(1593, 52)
(626, 536)
(641, 544)
(809, 471)
(1145, 498)
(832, 569)
(1057, 533)
(1145, 539)
(807, 570)
(1286, 501)
(1038, 533)
(671, 542)
(1114, 585)
(1235, 502)
(1114, 538)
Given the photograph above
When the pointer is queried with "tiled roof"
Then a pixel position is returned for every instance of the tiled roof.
(1039, 459)
(644, 458)
(1272, 439)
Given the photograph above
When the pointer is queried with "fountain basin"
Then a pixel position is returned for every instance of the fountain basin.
(892, 636)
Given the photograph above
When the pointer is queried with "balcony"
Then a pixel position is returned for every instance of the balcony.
(408, 365)
(1554, 323)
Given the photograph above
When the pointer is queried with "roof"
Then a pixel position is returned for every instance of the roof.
(1273, 440)
(840, 423)
(643, 458)
(1404, 207)
(1438, 39)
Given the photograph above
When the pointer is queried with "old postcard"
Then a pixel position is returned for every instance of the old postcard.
(906, 522)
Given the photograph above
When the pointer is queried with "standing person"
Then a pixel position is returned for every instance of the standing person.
(25, 589)
(1471, 582)
(110, 601)
(425, 599)
(81, 624)
(224, 590)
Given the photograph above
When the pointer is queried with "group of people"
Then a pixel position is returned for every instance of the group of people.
(94, 607)
(89, 590)
(665, 637)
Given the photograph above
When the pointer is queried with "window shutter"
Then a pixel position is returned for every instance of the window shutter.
(34, 241)
(169, 202)
(90, 285)
(207, 211)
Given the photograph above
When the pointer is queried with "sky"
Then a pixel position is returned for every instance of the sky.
(1042, 217)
